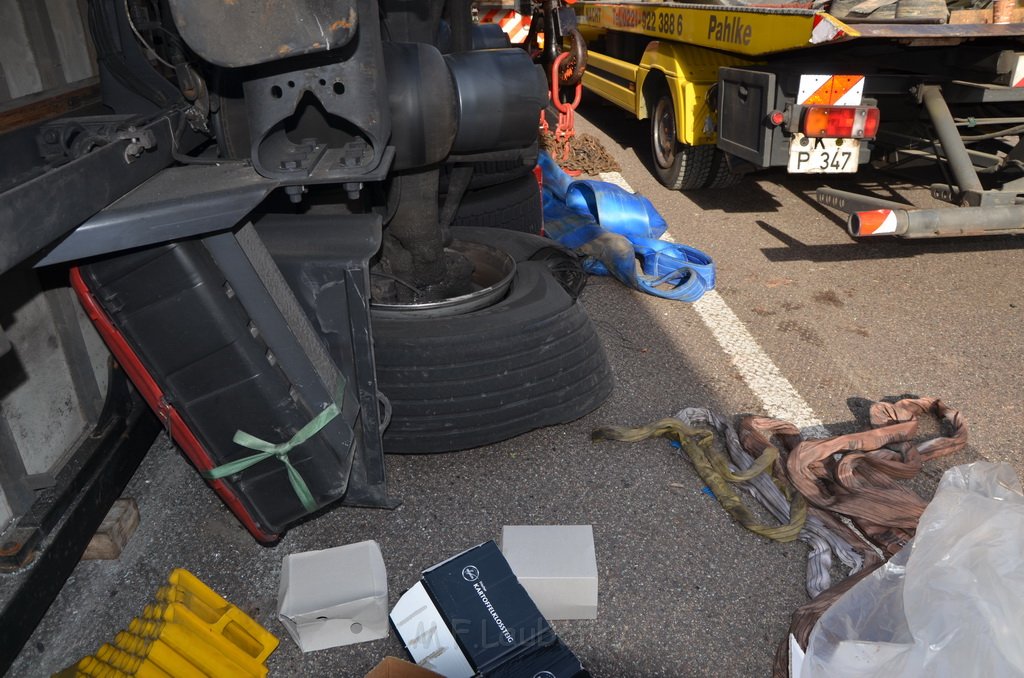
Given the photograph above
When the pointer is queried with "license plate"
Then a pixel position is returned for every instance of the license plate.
(809, 155)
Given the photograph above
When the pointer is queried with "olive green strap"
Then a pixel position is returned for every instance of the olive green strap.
(713, 469)
(280, 450)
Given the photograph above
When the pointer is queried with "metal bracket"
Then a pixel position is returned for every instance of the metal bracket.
(853, 202)
(69, 138)
(945, 193)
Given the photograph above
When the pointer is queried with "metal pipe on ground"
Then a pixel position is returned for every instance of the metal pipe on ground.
(937, 223)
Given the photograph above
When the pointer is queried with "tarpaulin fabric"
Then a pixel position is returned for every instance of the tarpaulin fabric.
(615, 229)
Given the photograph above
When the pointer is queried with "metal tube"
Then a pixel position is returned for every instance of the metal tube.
(938, 223)
(983, 122)
(952, 145)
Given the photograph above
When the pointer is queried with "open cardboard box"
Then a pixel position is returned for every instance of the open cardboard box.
(392, 667)
(336, 596)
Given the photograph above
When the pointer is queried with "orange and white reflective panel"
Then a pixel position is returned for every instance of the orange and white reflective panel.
(830, 90)
(1017, 79)
(824, 30)
(515, 25)
(876, 222)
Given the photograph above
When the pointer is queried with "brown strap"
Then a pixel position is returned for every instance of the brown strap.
(857, 475)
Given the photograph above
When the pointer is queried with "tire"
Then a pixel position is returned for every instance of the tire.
(491, 173)
(531, 360)
(722, 175)
(513, 205)
(678, 166)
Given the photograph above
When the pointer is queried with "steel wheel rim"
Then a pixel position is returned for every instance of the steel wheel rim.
(664, 130)
(493, 274)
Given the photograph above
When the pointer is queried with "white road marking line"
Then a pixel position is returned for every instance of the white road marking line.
(776, 393)
(778, 396)
(617, 179)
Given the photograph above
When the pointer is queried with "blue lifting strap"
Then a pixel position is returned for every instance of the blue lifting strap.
(615, 229)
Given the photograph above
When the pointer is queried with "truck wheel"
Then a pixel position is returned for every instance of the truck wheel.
(532, 359)
(678, 166)
(722, 175)
(514, 205)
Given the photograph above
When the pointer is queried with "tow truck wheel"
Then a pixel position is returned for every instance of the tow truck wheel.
(465, 379)
(678, 166)
(722, 175)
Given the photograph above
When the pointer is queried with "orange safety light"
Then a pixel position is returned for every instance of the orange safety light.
(847, 122)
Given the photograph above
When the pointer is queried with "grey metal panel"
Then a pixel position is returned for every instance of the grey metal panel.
(16, 57)
(179, 202)
(40, 37)
(5, 511)
(99, 354)
(71, 40)
(63, 308)
(44, 45)
(37, 395)
(14, 487)
(5, 92)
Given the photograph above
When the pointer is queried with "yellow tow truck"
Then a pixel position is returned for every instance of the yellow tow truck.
(738, 87)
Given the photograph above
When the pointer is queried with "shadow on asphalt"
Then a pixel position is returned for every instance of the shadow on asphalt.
(793, 249)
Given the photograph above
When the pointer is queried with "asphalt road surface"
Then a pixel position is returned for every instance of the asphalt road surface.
(806, 323)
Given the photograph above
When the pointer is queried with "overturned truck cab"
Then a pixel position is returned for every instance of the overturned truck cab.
(322, 244)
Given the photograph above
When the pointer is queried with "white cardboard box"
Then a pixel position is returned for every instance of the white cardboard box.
(557, 565)
(337, 596)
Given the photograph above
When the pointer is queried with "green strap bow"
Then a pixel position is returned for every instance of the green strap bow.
(267, 450)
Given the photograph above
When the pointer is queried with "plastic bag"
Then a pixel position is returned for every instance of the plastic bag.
(951, 603)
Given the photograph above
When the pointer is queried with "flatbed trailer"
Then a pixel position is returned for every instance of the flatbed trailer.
(732, 89)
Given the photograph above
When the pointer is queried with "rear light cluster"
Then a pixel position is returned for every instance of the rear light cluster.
(848, 122)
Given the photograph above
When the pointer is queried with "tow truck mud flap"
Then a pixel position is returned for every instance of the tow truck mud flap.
(224, 355)
(746, 98)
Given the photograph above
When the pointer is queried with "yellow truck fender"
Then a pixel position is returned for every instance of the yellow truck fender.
(690, 74)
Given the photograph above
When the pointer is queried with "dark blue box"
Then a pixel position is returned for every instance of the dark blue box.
(489, 619)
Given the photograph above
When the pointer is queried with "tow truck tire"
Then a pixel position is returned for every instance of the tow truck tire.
(678, 166)
(533, 359)
(722, 175)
